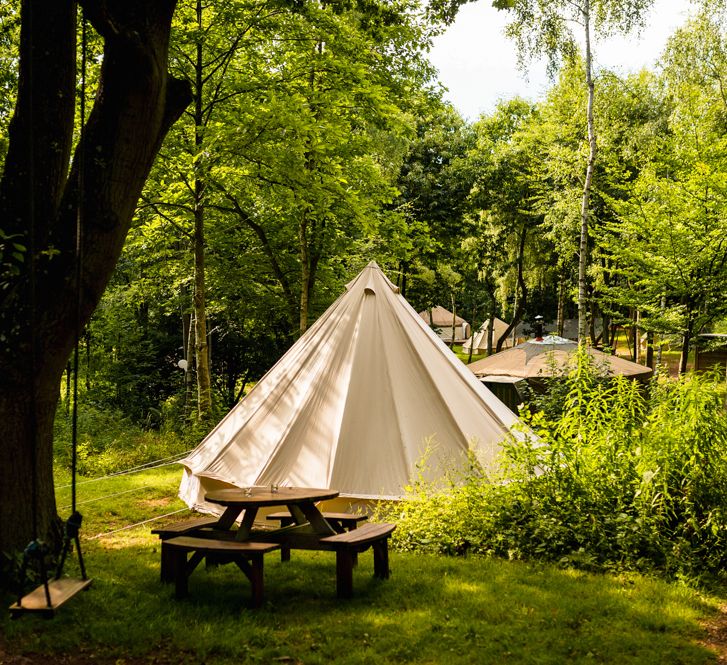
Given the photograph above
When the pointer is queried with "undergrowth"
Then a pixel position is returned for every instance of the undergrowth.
(625, 478)
(109, 442)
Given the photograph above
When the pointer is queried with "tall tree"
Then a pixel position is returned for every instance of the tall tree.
(42, 302)
(546, 28)
(670, 243)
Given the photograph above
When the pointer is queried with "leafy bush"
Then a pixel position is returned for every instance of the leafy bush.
(109, 442)
(624, 478)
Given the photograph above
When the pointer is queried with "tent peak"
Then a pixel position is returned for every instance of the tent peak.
(372, 277)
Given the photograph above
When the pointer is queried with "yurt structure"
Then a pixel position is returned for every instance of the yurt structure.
(478, 341)
(543, 358)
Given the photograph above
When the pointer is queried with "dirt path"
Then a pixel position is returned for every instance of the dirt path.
(716, 639)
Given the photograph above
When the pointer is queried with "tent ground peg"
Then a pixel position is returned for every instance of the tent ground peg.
(36, 603)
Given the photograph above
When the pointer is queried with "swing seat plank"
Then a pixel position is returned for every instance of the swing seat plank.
(60, 591)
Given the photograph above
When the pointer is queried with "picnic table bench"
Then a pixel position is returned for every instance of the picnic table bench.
(186, 527)
(247, 555)
(347, 546)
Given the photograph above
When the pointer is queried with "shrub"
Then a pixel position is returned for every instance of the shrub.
(623, 478)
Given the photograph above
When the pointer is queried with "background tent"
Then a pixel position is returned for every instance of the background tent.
(479, 340)
(353, 405)
(441, 320)
(536, 359)
(508, 373)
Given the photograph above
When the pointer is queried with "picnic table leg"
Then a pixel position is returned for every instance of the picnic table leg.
(167, 573)
(253, 569)
(381, 559)
(344, 573)
(183, 569)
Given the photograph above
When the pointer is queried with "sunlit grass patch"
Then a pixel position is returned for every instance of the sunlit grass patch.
(433, 609)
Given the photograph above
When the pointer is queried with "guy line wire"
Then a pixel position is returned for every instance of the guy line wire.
(134, 469)
(109, 496)
(131, 526)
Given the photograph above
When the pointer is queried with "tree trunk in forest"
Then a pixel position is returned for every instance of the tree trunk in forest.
(686, 340)
(650, 349)
(403, 270)
(592, 324)
(523, 291)
(454, 318)
(472, 332)
(204, 379)
(560, 321)
(583, 245)
(43, 308)
(204, 389)
(304, 274)
(684, 356)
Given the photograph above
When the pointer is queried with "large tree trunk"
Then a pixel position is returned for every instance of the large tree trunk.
(42, 310)
(204, 379)
(583, 245)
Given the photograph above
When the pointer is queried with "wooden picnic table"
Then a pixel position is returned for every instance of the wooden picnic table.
(305, 528)
(300, 501)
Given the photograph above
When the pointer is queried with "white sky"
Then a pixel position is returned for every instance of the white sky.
(476, 62)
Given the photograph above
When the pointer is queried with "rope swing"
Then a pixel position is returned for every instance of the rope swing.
(51, 594)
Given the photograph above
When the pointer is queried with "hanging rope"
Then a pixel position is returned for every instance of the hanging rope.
(132, 526)
(73, 523)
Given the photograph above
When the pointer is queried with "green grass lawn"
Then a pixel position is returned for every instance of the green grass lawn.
(432, 610)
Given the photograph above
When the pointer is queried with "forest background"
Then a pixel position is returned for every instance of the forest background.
(318, 140)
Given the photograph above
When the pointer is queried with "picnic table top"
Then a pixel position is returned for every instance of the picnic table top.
(264, 496)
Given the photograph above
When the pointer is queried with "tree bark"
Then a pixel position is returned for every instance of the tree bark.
(560, 321)
(583, 245)
(204, 379)
(43, 307)
(522, 300)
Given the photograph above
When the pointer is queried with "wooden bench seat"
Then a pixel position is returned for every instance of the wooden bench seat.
(187, 527)
(341, 522)
(247, 555)
(347, 545)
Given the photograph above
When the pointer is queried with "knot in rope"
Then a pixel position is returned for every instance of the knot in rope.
(73, 524)
(36, 549)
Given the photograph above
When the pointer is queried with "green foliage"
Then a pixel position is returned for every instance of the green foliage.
(668, 242)
(108, 442)
(625, 478)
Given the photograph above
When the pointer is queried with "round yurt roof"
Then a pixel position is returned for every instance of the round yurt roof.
(539, 358)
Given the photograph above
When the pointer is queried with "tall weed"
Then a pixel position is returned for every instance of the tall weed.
(625, 477)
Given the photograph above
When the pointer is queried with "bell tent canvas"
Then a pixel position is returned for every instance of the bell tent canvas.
(440, 319)
(478, 341)
(353, 405)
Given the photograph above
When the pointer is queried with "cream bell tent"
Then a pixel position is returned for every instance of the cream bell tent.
(478, 341)
(441, 320)
(353, 405)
